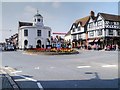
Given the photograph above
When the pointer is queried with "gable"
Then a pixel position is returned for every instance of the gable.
(91, 20)
(79, 24)
(99, 18)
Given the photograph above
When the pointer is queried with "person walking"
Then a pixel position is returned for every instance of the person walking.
(117, 47)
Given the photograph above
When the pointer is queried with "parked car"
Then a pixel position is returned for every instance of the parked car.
(9, 48)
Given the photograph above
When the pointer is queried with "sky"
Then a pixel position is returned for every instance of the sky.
(57, 15)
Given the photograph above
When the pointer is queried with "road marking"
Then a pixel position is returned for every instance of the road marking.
(107, 66)
(16, 72)
(52, 67)
(83, 66)
(3, 71)
(29, 54)
(30, 79)
(37, 67)
(20, 79)
(39, 85)
(27, 78)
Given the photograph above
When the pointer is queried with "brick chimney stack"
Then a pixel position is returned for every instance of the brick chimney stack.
(92, 14)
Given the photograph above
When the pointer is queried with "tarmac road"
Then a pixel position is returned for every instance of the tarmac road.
(89, 69)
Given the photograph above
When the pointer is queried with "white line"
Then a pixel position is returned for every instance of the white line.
(28, 78)
(40, 86)
(37, 68)
(83, 66)
(16, 72)
(38, 83)
(109, 66)
(3, 71)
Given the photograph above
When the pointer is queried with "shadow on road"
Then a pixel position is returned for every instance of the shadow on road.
(91, 84)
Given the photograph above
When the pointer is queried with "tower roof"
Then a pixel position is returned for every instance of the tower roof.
(37, 14)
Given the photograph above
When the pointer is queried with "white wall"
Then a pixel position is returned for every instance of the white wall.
(67, 38)
(32, 36)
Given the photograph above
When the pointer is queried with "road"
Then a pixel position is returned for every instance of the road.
(89, 69)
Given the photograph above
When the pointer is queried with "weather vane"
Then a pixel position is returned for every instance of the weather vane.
(37, 11)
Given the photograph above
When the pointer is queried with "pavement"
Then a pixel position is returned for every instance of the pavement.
(89, 69)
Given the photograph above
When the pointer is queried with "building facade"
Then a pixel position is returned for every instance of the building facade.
(67, 38)
(103, 30)
(78, 32)
(35, 34)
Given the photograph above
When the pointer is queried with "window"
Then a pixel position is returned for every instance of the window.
(107, 22)
(92, 33)
(38, 20)
(38, 32)
(35, 20)
(79, 36)
(99, 23)
(119, 32)
(110, 32)
(25, 32)
(99, 32)
(79, 28)
(90, 25)
(73, 30)
(74, 36)
(115, 23)
(49, 33)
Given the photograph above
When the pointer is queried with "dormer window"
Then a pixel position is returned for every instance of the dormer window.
(79, 28)
(73, 29)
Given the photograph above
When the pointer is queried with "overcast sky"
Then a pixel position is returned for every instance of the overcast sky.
(57, 15)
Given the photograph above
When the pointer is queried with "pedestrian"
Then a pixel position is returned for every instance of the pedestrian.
(117, 47)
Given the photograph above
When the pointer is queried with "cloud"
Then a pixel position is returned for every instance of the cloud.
(56, 4)
(29, 10)
(28, 13)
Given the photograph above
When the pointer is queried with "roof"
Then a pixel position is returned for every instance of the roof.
(110, 17)
(25, 24)
(37, 15)
(68, 33)
(83, 20)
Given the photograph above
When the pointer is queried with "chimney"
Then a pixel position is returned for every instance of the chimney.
(92, 14)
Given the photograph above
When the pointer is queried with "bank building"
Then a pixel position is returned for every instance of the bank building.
(34, 34)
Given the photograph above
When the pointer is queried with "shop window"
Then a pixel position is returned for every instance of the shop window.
(110, 32)
(99, 32)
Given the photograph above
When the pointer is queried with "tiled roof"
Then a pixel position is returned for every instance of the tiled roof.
(83, 21)
(25, 24)
(110, 17)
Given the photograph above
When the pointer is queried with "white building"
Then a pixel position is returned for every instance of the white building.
(35, 34)
(104, 30)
